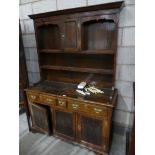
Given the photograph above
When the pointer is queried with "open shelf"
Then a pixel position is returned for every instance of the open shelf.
(79, 69)
(100, 80)
(49, 37)
(91, 52)
(72, 61)
(98, 34)
(105, 51)
(50, 50)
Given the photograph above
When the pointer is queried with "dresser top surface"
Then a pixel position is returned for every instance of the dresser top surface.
(69, 90)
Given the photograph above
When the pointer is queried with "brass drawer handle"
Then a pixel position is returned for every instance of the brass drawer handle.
(97, 110)
(49, 100)
(75, 106)
(61, 103)
(33, 97)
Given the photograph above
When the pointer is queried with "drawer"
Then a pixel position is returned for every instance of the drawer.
(61, 103)
(34, 97)
(77, 105)
(49, 100)
(87, 108)
(99, 111)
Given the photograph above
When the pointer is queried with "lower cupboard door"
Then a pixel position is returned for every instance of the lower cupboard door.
(39, 118)
(64, 124)
(90, 132)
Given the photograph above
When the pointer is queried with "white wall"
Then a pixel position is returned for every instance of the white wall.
(125, 72)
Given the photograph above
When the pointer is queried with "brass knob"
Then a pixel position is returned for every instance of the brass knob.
(33, 97)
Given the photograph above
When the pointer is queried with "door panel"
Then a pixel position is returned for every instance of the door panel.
(39, 118)
(64, 124)
(71, 35)
(90, 131)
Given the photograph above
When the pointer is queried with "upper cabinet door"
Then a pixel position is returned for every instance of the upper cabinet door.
(49, 35)
(71, 35)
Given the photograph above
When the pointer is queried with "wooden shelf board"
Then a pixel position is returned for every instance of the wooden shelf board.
(79, 69)
(106, 51)
(50, 50)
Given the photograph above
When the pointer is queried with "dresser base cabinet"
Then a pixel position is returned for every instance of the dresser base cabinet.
(76, 45)
(77, 120)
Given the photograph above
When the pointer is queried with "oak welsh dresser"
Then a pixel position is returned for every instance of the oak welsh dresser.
(72, 45)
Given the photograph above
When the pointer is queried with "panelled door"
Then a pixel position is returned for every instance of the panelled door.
(64, 124)
(71, 35)
(91, 132)
(39, 118)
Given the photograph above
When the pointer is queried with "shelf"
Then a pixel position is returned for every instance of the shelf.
(79, 69)
(106, 51)
(50, 50)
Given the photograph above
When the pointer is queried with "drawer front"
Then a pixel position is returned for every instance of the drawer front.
(87, 108)
(34, 97)
(61, 103)
(77, 106)
(97, 110)
(49, 100)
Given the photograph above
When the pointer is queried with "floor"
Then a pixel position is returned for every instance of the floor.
(39, 144)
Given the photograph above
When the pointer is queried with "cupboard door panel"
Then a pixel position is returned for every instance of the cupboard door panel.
(91, 130)
(64, 123)
(39, 118)
(70, 35)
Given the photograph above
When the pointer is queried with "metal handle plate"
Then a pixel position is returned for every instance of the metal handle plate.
(75, 106)
(97, 110)
(61, 103)
(49, 100)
